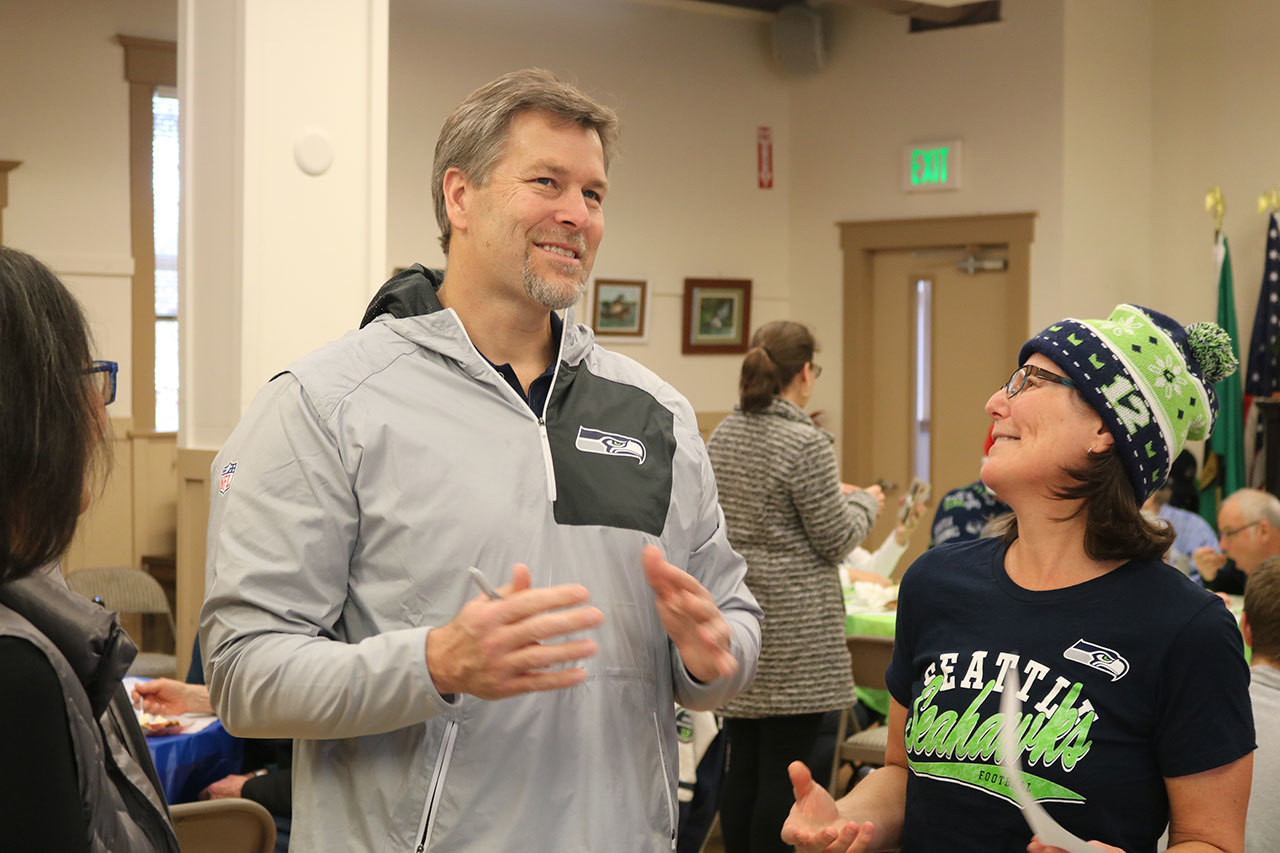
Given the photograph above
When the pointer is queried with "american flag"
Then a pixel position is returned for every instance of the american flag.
(1263, 377)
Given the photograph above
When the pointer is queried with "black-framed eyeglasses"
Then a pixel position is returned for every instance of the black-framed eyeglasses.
(107, 379)
(1023, 375)
(817, 369)
(1227, 534)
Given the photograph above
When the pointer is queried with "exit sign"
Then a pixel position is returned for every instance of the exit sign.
(930, 166)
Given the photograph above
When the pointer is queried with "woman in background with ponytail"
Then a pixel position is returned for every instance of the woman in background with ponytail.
(792, 520)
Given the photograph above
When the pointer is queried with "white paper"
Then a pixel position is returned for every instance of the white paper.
(1049, 830)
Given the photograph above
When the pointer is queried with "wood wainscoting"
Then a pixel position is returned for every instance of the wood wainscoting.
(193, 524)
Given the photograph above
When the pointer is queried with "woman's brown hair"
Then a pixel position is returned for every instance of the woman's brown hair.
(54, 434)
(779, 350)
(1115, 528)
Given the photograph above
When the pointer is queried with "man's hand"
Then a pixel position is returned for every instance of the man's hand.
(815, 825)
(169, 698)
(226, 787)
(692, 620)
(1208, 562)
(495, 649)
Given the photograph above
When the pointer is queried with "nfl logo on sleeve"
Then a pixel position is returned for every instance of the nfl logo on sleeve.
(224, 482)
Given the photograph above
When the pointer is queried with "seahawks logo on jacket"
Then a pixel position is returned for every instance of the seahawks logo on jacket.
(609, 444)
(1098, 657)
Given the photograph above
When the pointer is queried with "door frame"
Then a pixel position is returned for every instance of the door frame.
(859, 241)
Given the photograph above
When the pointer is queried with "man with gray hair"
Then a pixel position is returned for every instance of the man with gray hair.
(467, 434)
(1248, 532)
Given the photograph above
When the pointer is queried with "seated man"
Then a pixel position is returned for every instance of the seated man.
(1249, 532)
(1261, 627)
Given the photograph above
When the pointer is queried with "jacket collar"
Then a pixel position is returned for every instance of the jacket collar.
(88, 636)
(783, 408)
(410, 292)
(409, 305)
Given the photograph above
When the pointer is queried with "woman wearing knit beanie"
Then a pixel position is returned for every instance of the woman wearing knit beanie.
(1135, 708)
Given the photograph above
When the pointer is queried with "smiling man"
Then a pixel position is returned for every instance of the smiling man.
(467, 424)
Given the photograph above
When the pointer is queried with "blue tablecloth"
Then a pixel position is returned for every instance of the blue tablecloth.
(188, 763)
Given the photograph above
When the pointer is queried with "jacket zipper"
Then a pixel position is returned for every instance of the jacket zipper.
(666, 787)
(541, 419)
(437, 785)
(546, 457)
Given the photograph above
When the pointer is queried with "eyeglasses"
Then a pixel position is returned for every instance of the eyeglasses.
(816, 368)
(107, 382)
(1227, 534)
(1018, 381)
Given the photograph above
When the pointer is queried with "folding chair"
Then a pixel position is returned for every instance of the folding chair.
(223, 826)
(870, 656)
(130, 591)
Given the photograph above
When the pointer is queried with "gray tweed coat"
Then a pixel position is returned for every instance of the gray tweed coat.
(780, 491)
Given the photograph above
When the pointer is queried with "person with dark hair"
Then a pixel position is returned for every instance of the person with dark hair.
(468, 437)
(1134, 689)
(793, 520)
(1183, 484)
(1261, 626)
(75, 772)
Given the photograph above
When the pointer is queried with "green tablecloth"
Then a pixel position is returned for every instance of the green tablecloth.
(877, 624)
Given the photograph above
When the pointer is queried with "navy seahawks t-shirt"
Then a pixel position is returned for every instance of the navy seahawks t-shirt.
(1126, 679)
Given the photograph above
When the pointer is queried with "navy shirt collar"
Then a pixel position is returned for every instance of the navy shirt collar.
(538, 388)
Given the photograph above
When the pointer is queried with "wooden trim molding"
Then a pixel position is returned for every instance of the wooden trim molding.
(147, 63)
(6, 166)
(150, 61)
(193, 520)
(860, 241)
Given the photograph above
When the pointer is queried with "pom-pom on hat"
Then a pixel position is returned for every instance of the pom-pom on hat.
(1150, 379)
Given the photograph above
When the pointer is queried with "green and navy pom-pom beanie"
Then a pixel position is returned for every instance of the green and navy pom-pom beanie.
(1150, 379)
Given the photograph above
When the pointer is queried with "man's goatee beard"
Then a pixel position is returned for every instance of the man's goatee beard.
(547, 294)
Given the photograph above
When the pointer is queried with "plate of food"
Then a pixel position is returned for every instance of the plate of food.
(154, 725)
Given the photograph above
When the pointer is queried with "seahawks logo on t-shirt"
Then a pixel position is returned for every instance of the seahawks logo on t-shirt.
(1098, 657)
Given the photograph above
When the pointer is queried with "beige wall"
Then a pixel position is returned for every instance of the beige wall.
(64, 105)
(1106, 170)
(1215, 67)
(886, 88)
(691, 89)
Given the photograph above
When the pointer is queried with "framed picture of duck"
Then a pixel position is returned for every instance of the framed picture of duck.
(619, 309)
(717, 315)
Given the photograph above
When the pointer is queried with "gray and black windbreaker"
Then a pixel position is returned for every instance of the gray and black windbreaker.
(346, 508)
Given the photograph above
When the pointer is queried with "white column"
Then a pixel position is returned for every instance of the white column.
(284, 170)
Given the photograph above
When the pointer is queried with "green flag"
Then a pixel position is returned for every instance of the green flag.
(1223, 470)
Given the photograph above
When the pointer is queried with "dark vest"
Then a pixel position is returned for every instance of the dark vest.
(85, 645)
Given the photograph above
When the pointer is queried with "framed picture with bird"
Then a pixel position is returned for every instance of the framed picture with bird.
(619, 309)
(717, 315)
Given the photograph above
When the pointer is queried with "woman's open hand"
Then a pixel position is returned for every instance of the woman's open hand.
(815, 825)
